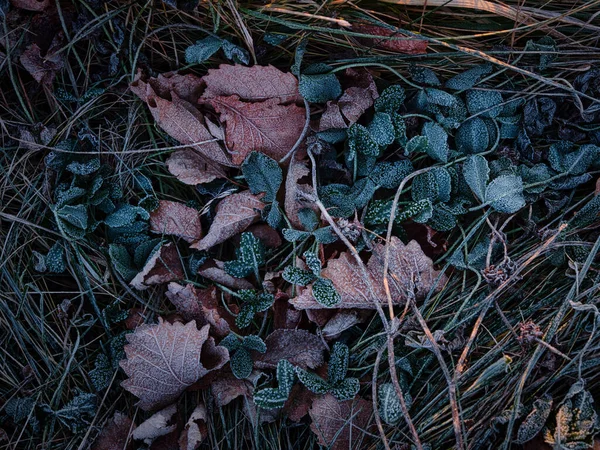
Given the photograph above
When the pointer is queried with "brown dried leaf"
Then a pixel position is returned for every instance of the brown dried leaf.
(156, 425)
(332, 117)
(266, 127)
(233, 215)
(298, 403)
(42, 68)
(359, 96)
(162, 266)
(299, 347)
(115, 434)
(255, 84)
(190, 167)
(195, 430)
(31, 5)
(339, 323)
(174, 218)
(227, 388)
(293, 201)
(339, 425)
(187, 87)
(182, 121)
(408, 45)
(213, 270)
(162, 360)
(200, 305)
(266, 234)
(410, 271)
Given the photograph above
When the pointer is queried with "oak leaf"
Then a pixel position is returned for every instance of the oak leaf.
(116, 434)
(233, 215)
(253, 84)
(200, 305)
(163, 360)
(340, 425)
(299, 347)
(161, 267)
(267, 127)
(195, 430)
(158, 424)
(177, 219)
(227, 388)
(191, 167)
(411, 273)
(332, 117)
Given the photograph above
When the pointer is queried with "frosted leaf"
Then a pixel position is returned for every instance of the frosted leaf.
(176, 219)
(191, 167)
(161, 267)
(299, 347)
(115, 434)
(410, 273)
(233, 215)
(294, 201)
(156, 425)
(163, 360)
(195, 430)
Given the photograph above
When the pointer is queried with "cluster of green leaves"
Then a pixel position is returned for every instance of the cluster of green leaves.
(253, 303)
(250, 255)
(337, 384)
(310, 223)
(323, 289)
(270, 398)
(239, 351)
(264, 175)
(203, 49)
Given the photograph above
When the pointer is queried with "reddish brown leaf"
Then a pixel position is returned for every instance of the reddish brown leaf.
(115, 434)
(299, 347)
(298, 403)
(284, 316)
(162, 266)
(403, 44)
(195, 430)
(359, 96)
(186, 87)
(266, 234)
(42, 69)
(190, 167)
(31, 5)
(162, 360)
(182, 121)
(332, 117)
(233, 215)
(294, 201)
(174, 218)
(410, 270)
(201, 305)
(159, 424)
(213, 270)
(255, 84)
(340, 322)
(227, 388)
(266, 127)
(339, 425)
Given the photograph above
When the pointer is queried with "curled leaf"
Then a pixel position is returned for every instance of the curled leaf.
(156, 425)
(161, 267)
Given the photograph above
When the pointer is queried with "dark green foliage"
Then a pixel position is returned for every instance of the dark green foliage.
(263, 174)
(505, 194)
(270, 398)
(437, 142)
(390, 100)
(253, 303)
(250, 256)
(381, 129)
(390, 408)
(361, 141)
(239, 351)
(535, 421)
(79, 412)
(484, 102)
(203, 49)
(318, 85)
(472, 136)
(468, 79)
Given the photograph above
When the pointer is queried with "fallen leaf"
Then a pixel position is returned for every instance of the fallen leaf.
(227, 388)
(266, 234)
(163, 266)
(176, 219)
(115, 434)
(190, 167)
(332, 117)
(182, 121)
(267, 127)
(162, 360)
(284, 316)
(201, 305)
(195, 430)
(340, 322)
(407, 45)
(298, 403)
(214, 270)
(340, 425)
(187, 87)
(42, 68)
(359, 96)
(31, 5)
(294, 201)
(299, 347)
(254, 84)
(410, 271)
(232, 216)
(156, 425)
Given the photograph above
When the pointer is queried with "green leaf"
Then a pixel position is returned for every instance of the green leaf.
(539, 173)
(360, 141)
(488, 101)
(84, 168)
(399, 129)
(235, 53)
(122, 261)
(297, 276)
(418, 144)
(477, 173)
(263, 302)
(270, 398)
(325, 293)
(263, 174)
(390, 100)
(389, 175)
(338, 363)
(424, 75)
(362, 192)
(574, 162)
(439, 97)
(274, 216)
(425, 186)
(472, 136)
(308, 219)
(313, 262)
(202, 50)
(390, 408)
(75, 215)
(325, 235)
(286, 374)
(346, 389)
(535, 421)
(291, 235)
(102, 373)
(319, 87)
(250, 256)
(338, 199)
(382, 129)
(437, 141)
(79, 412)
(245, 316)
(442, 219)
(126, 215)
(231, 342)
(241, 363)
(468, 79)
(253, 342)
(505, 194)
(444, 183)
(55, 259)
(313, 383)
